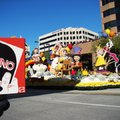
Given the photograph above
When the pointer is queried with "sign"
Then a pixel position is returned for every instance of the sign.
(12, 65)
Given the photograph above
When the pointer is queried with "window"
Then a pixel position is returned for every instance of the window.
(73, 37)
(48, 42)
(74, 42)
(111, 11)
(118, 16)
(104, 2)
(73, 32)
(117, 3)
(91, 34)
(64, 43)
(118, 28)
(112, 24)
(79, 32)
(76, 32)
(80, 37)
(48, 37)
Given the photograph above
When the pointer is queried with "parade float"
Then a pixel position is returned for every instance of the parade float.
(64, 67)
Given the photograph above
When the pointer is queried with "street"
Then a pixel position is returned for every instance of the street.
(64, 105)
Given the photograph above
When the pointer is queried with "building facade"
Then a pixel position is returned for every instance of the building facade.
(110, 13)
(65, 36)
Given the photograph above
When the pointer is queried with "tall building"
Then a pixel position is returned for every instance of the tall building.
(65, 36)
(110, 13)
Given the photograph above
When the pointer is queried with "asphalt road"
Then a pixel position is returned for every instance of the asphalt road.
(39, 104)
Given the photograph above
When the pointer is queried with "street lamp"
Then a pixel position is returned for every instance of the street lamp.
(47, 45)
(37, 41)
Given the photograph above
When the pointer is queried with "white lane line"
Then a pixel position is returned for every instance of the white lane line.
(90, 104)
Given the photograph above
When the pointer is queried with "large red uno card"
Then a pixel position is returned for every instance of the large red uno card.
(12, 65)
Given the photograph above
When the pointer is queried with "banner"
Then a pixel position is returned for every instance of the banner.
(12, 65)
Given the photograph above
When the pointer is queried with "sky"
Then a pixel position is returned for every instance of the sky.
(33, 18)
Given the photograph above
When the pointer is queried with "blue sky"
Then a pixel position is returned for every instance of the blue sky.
(32, 18)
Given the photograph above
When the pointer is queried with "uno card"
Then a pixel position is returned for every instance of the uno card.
(12, 65)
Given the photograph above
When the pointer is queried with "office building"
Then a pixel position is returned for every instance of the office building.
(66, 36)
(110, 13)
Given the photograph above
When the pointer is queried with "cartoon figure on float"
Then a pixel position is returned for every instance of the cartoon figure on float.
(100, 62)
(64, 62)
(76, 64)
(104, 56)
(61, 62)
(37, 65)
(55, 59)
(38, 68)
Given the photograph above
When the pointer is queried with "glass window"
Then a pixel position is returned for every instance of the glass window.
(76, 32)
(73, 37)
(64, 43)
(104, 2)
(111, 11)
(118, 28)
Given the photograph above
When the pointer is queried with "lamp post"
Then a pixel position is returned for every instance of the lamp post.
(47, 52)
(37, 41)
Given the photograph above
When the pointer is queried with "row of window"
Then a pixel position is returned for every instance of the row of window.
(104, 2)
(63, 43)
(72, 33)
(113, 23)
(47, 47)
(111, 11)
(72, 38)
(48, 37)
(45, 43)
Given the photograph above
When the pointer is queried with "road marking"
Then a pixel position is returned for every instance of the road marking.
(90, 104)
